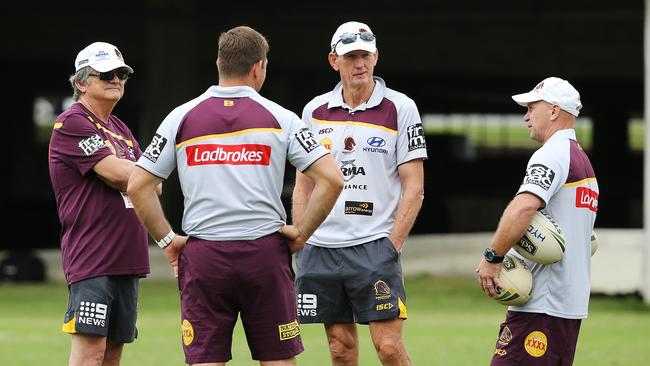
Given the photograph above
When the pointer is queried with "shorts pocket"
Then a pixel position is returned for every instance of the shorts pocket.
(391, 248)
(180, 277)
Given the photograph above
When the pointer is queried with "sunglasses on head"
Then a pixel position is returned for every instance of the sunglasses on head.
(122, 74)
(347, 38)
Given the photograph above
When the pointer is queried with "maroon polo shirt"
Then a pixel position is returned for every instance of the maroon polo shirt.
(100, 233)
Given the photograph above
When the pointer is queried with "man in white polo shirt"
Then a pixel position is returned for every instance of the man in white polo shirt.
(230, 146)
(349, 272)
(559, 179)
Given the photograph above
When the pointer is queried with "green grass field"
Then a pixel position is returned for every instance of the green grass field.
(450, 323)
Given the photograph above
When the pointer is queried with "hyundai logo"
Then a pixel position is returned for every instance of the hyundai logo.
(376, 141)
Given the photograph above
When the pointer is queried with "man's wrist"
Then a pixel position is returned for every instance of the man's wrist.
(492, 257)
(164, 242)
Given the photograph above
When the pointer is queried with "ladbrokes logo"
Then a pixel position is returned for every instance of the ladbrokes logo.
(586, 198)
(245, 154)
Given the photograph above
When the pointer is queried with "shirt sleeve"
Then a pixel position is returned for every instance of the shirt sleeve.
(303, 149)
(159, 158)
(411, 143)
(79, 143)
(545, 174)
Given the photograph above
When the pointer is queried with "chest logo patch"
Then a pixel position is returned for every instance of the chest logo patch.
(358, 208)
(350, 170)
(586, 198)
(349, 144)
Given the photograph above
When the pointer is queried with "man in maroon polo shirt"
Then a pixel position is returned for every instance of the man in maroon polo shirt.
(104, 246)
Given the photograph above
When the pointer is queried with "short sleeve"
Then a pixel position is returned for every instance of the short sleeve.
(546, 173)
(78, 143)
(303, 149)
(159, 158)
(411, 143)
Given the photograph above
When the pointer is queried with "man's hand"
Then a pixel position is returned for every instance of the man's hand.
(174, 250)
(396, 243)
(295, 239)
(488, 277)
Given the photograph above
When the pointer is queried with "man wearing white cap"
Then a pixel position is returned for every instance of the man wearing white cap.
(104, 246)
(559, 179)
(349, 271)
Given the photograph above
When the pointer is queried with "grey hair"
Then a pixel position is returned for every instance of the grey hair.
(80, 77)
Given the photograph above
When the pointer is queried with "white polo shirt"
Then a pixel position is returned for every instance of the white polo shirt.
(230, 146)
(368, 142)
(561, 174)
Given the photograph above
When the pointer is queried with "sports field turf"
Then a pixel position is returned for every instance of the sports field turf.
(450, 323)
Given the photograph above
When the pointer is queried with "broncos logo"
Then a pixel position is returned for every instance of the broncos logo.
(349, 144)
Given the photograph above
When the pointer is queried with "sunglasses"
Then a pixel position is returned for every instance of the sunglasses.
(122, 74)
(347, 38)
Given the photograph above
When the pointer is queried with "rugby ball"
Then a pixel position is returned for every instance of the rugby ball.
(594, 243)
(543, 242)
(517, 281)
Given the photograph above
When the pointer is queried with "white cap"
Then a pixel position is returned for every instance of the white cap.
(555, 91)
(101, 56)
(359, 44)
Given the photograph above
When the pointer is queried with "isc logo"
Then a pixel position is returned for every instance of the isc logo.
(386, 306)
(307, 304)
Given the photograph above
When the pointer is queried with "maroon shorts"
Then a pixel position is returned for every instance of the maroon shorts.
(534, 339)
(253, 278)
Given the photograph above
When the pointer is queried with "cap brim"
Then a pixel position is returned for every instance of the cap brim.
(110, 65)
(342, 49)
(524, 98)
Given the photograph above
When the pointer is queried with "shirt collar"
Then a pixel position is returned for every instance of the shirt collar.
(378, 93)
(231, 91)
(568, 133)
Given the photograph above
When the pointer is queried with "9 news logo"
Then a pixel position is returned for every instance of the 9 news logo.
(307, 304)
